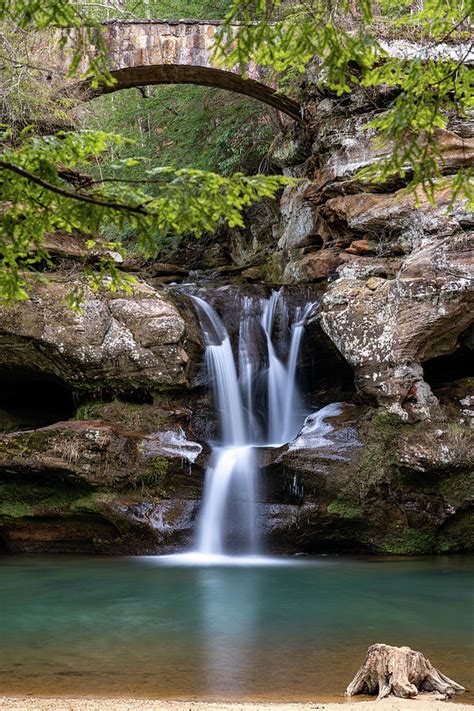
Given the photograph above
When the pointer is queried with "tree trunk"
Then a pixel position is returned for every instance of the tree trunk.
(399, 671)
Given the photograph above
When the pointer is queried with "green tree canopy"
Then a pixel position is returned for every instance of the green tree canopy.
(50, 183)
(347, 40)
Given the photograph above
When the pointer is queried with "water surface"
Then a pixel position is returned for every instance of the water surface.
(137, 627)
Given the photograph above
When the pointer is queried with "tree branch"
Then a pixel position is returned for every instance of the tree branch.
(68, 194)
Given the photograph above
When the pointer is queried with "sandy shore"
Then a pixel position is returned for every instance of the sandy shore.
(424, 703)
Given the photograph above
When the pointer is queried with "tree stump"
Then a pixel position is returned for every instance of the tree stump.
(399, 671)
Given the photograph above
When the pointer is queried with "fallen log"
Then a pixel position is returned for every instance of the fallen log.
(399, 671)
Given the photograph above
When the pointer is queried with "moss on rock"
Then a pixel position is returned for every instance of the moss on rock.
(15, 509)
(409, 541)
(344, 509)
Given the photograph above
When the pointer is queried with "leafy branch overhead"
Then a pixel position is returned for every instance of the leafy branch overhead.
(41, 192)
(67, 182)
(39, 200)
(430, 85)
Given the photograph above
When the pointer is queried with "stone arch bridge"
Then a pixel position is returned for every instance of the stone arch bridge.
(145, 52)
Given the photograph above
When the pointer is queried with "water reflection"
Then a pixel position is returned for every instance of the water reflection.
(230, 621)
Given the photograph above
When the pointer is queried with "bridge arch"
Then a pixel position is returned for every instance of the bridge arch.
(148, 52)
(140, 76)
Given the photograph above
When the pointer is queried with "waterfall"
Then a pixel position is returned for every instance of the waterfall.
(229, 501)
(292, 404)
(258, 404)
(229, 487)
(276, 374)
(221, 366)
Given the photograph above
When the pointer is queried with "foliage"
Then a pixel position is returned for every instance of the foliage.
(86, 411)
(43, 189)
(28, 97)
(38, 200)
(344, 509)
(344, 37)
(189, 126)
(76, 31)
(164, 9)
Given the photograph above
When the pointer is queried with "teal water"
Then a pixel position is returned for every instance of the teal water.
(136, 627)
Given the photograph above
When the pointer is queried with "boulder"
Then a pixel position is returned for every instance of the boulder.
(386, 329)
(118, 342)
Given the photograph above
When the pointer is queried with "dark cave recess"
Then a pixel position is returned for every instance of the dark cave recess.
(450, 368)
(31, 399)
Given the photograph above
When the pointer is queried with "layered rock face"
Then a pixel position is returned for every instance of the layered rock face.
(121, 473)
(96, 486)
(373, 483)
(398, 269)
(105, 415)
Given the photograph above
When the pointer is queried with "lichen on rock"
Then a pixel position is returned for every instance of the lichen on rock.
(116, 342)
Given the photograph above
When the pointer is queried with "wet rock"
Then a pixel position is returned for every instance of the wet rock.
(99, 454)
(97, 525)
(58, 534)
(318, 432)
(355, 480)
(93, 486)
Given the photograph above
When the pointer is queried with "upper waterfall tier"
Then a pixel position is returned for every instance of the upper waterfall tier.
(256, 391)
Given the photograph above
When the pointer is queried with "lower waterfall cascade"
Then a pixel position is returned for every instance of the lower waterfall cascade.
(258, 404)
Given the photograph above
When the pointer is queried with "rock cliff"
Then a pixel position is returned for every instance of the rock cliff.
(398, 267)
(104, 416)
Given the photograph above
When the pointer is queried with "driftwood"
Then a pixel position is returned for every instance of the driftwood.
(399, 671)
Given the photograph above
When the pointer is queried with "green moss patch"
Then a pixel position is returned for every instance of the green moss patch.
(147, 417)
(345, 509)
(410, 541)
(156, 480)
(15, 509)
